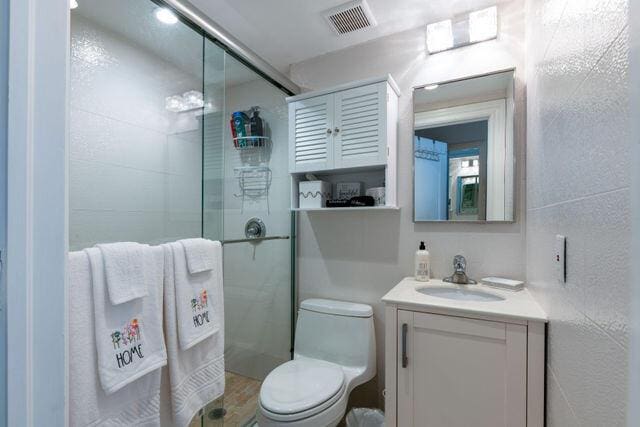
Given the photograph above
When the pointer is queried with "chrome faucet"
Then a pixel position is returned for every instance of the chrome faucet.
(459, 275)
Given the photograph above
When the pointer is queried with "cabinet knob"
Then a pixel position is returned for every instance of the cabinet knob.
(329, 131)
(336, 130)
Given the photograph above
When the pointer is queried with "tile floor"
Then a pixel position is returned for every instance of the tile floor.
(240, 401)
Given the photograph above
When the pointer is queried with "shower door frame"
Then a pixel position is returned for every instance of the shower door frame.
(4, 68)
(37, 235)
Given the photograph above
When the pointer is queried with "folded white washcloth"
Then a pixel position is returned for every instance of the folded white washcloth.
(196, 294)
(196, 375)
(129, 338)
(200, 257)
(125, 270)
(137, 404)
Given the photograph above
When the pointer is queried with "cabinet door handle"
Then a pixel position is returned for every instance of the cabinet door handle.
(329, 131)
(336, 130)
(405, 359)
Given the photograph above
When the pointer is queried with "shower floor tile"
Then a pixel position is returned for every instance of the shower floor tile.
(240, 401)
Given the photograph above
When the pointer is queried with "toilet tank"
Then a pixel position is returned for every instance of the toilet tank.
(336, 331)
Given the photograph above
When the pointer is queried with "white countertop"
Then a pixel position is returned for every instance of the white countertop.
(516, 304)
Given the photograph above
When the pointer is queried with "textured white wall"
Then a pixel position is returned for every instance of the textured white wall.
(359, 256)
(633, 418)
(578, 179)
(131, 168)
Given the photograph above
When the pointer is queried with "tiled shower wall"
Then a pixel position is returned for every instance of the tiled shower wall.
(134, 168)
(578, 185)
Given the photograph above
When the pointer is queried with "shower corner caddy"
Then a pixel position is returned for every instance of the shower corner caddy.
(254, 180)
(251, 142)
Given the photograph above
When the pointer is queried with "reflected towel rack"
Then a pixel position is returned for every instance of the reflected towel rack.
(254, 239)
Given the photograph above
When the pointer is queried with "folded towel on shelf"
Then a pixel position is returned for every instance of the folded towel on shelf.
(196, 301)
(136, 404)
(200, 256)
(196, 373)
(129, 338)
(124, 270)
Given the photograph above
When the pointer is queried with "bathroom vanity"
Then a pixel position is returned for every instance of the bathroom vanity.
(463, 355)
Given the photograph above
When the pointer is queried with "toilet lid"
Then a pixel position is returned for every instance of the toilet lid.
(299, 385)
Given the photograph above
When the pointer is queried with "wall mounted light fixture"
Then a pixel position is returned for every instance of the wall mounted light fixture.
(192, 100)
(473, 27)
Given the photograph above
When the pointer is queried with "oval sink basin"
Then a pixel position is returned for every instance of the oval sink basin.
(460, 294)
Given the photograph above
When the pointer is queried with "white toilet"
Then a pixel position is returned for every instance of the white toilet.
(335, 351)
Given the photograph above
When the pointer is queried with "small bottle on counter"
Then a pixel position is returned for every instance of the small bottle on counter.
(423, 264)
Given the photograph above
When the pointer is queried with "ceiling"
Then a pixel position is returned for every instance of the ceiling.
(284, 32)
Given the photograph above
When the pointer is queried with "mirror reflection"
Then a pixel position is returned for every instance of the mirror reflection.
(463, 150)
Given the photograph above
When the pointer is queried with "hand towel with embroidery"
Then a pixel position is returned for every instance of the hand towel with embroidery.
(195, 310)
(129, 336)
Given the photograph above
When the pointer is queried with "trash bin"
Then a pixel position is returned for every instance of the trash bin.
(365, 417)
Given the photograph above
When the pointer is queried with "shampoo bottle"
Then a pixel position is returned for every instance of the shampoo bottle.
(423, 264)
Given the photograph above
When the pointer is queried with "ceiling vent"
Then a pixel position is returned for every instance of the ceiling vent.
(350, 17)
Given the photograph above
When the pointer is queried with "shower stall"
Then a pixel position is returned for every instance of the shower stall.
(155, 156)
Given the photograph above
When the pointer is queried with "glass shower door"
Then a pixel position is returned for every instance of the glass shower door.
(245, 194)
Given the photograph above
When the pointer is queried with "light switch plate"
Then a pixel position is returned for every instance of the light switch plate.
(560, 258)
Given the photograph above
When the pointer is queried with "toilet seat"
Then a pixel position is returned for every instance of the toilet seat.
(301, 388)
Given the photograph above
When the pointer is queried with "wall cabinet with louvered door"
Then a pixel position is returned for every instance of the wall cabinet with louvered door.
(360, 137)
(310, 134)
(346, 133)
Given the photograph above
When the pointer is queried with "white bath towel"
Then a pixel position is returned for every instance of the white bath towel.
(196, 375)
(125, 270)
(129, 338)
(200, 256)
(195, 295)
(137, 404)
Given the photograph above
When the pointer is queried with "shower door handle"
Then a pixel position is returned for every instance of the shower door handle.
(405, 359)
(254, 239)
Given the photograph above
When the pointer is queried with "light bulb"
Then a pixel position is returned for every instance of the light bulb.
(193, 99)
(174, 103)
(166, 16)
(483, 24)
(439, 36)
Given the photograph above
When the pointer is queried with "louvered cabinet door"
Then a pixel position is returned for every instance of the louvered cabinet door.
(360, 126)
(310, 134)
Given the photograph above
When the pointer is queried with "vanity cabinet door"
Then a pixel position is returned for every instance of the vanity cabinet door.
(460, 372)
(360, 134)
(310, 134)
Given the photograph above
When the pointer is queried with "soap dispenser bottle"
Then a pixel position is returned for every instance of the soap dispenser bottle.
(423, 264)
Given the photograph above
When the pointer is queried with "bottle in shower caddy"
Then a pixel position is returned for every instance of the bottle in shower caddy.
(256, 125)
(240, 121)
(423, 264)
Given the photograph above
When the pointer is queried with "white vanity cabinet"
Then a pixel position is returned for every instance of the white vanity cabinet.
(451, 368)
